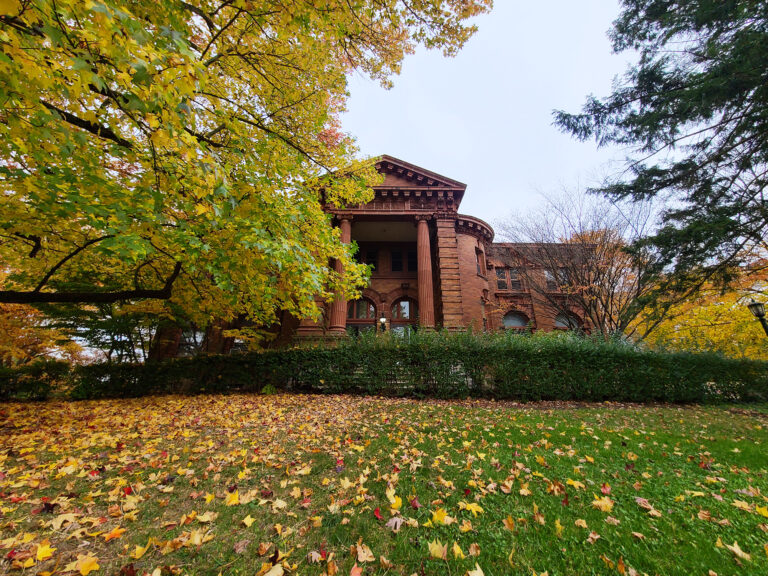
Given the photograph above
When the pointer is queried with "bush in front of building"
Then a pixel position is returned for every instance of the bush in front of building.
(506, 366)
(33, 381)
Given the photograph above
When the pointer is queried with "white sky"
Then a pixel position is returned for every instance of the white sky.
(485, 117)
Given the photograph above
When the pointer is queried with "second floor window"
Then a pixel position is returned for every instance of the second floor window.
(501, 279)
(397, 260)
(371, 258)
(557, 279)
(514, 279)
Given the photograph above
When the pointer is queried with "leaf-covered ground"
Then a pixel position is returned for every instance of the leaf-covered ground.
(351, 485)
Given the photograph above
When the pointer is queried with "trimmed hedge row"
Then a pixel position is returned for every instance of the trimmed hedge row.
(33, 381)
(444, 365)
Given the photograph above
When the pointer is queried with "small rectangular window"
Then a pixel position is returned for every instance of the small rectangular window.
(412, 261)
(501, 278)
(397, 261)
(514, 279)
(480, 263)
(372, 258)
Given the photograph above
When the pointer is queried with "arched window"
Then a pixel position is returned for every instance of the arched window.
(404, 309)
(567, 322)
(515, 321)
(362, 309)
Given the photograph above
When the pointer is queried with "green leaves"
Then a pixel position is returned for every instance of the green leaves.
(178, 129)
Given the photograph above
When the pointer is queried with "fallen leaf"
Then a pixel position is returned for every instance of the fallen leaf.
(457, 552)
(476, 572)
(738, 552)
(438, 550)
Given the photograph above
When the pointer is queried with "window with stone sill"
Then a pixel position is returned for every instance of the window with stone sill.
(501, 279)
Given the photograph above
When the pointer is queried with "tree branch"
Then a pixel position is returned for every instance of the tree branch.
(18, 297)
(92, 127)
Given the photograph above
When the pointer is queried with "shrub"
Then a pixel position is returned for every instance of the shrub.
(33, 381)
(430, 364)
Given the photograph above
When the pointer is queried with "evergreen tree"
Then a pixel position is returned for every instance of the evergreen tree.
(694, 109)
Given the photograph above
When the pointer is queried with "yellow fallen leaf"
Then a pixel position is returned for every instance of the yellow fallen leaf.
(248, 520)
(558, 528)
(581, 523)
(576, 484)
(232, 499)
(87, 564)
(44, 551)
(207, 517)
(141, 550)
(438, 550)
(509, 523)
(457, 552)
(603, 504)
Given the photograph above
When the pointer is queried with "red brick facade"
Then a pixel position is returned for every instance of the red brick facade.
(432, 266)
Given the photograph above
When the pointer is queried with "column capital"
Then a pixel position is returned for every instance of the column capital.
(423, 217)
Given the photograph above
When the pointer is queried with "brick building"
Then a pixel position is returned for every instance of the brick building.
(432, 266)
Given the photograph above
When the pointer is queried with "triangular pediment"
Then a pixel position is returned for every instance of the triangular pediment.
(400, 174)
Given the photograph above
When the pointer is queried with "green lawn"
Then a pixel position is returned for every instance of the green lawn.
(311, 484)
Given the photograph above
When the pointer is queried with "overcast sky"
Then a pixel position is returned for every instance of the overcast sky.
(485, 117)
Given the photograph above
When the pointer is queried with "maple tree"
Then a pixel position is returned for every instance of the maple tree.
(185, 150)
(26, 335)
(714, 320)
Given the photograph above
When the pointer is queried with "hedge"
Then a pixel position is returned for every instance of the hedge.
(440, 365)
(33, 381)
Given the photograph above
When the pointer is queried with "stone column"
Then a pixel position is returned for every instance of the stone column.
(338, 319)
(424, 267)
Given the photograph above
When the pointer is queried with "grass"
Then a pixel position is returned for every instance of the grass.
(681, 488)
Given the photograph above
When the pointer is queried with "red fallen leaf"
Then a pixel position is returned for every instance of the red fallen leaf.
(17, 499)
(127, 490)
(266, 493)
(565, 501)
(415, 504)
(323, 551)
(231, 488)
(128, 570)
(12, 554)
(467, 491)
(377, 513)
(605, 489)
(93, 473)
(396, 468)
(306, 502)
